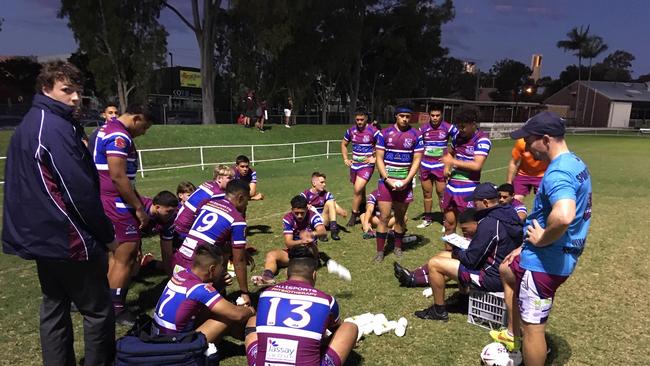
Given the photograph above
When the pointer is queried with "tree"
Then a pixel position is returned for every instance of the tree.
(204, 25)
(123, 41)
(593, 47)
(618, 66)
(576, 40)
(82, 62)
(510, 77)
(18, 77)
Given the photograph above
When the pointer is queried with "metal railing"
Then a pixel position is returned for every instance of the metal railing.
(253, 148)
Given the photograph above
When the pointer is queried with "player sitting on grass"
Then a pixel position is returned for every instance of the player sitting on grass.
(301, 228)
(190, 301)
(244, 172)
(507, 197)
(293, 318)
(161, 211)
(211, 189)
(419, 277)
(325, 203)
(498, 233)
(370, 219)
(184, 190)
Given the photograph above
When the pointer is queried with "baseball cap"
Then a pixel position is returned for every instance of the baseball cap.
(484, 191)
(544, 123)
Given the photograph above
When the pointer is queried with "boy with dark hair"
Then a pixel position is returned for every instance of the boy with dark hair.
(293, 317)
(507, 197)
(191, 301)
(244, 172)
(302, 227)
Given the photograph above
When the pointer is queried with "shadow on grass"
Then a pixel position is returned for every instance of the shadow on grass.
(354, 359)
(560, 350)
(437, 217)
(259, 229)
(148, 298)
(229, 349)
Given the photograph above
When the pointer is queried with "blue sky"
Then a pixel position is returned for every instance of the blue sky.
(483, 31)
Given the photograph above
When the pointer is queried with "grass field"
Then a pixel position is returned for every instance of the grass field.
(600, 312)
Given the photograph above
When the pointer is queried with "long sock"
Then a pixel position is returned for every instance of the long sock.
(421, 275)
(381, 241)
(333, 226)
(268, 274)
(398, 239)
(118, 295)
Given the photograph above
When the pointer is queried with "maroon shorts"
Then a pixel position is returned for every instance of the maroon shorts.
(363, 173)
(453, 201)
(432, 174)
(535, 291)
(386, 194)
(123, 219)
(524, 184)
(330, 358)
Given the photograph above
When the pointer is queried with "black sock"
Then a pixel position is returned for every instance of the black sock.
(439, 309)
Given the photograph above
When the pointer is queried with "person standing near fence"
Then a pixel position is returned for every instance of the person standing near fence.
(555, 237)
(362, 164)
(288, 109)
(53, 214)
(116, 159)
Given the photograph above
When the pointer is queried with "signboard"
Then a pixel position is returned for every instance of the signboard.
(190, 79)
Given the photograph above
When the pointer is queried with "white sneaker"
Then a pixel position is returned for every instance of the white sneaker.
(287, 126)
(425, 223)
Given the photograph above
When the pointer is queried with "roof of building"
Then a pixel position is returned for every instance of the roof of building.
(619, 91)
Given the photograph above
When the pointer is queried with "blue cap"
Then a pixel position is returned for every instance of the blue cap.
(403, 109)
(484, 191)
(544, 123)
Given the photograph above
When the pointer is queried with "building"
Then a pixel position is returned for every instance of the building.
(536, 66)
(603, 104)
(176, 96)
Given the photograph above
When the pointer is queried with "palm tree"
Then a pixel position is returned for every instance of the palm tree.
(576, 40)
(591, 49)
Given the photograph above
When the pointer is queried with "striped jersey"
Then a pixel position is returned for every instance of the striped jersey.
(114, 140)
(465, 149)
(399, 148)
(292, 226)
(218, 223)
(184, 299)
(435, 140)
(187, 212)
(363, 144)
(291, 320)
(317, 200)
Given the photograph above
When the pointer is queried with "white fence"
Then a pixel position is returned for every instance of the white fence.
(251, 148)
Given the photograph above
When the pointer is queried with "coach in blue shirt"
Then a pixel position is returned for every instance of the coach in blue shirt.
(555, 236)
(52, 214)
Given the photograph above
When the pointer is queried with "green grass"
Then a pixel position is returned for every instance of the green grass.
(599, 315)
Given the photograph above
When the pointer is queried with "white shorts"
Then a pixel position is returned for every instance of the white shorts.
(287, 112)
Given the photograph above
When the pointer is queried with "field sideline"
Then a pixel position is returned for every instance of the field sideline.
(600, 315)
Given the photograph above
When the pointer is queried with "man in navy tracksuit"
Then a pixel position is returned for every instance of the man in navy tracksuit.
(53, 214)
(499, 232)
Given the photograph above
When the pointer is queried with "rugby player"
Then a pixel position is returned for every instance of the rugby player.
(399, 151)
(116, 160)
(211, 189)
(524, 172)
(498, 233)
(191, 301)
(324, 203)
(363, 137)
(435, 137)
(244, 172)
(556, 233)
(507, 197)
(302, 226)
(220, 222)
(463, 165)
(183, 191)
(419, 277)
(293, 318)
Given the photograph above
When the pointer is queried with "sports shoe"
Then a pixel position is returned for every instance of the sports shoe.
(504, 338)
(323, 239)
(146, 259)
(424, 223)
(403, 275)
(431, 314)
(261, 281)
(398, 252)
(369, 234)
(125, 318)
(335, 234)
(379, 257)
(287, 126)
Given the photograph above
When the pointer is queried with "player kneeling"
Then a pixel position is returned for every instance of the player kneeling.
(190, 301)
(293, 318)
(302, 226)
